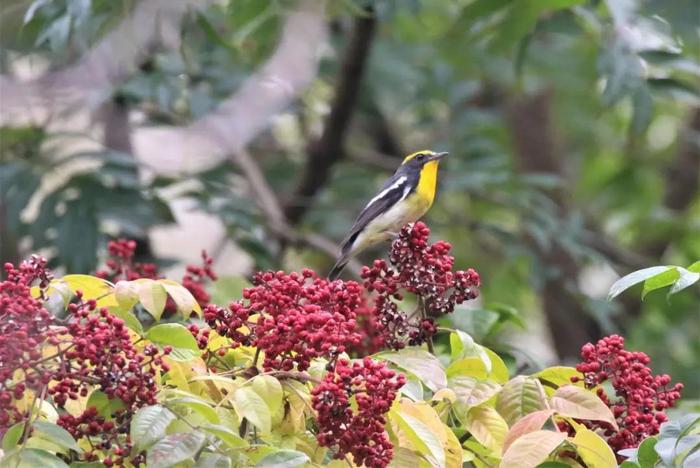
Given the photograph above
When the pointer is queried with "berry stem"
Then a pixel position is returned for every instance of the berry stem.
(424, 315)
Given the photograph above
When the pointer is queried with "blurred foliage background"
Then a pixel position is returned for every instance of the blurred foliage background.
(573, 129)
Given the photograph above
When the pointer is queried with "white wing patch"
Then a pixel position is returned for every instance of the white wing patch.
(401, 180)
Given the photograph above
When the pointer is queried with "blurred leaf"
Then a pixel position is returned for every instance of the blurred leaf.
(37, 457)
(283, 459)
(148, 425)
(250, 405)
(12, 436)
(228, 436)
(676, 88)
(55, 434)
(420, 363)
(106, 407)
(178, 337)
(174, 448)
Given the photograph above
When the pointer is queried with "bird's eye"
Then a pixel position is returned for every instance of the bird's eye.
(420, 157)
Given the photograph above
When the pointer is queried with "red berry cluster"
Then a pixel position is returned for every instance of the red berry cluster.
(425, 270)
(196, 276)
(641, 396)
(24, 327)
(110, 432)
(98, 352)
(121, 265)
(300, 317)
(231, 322)
(66, 359)
(361, 433)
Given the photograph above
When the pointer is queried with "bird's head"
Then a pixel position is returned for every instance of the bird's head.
(420, 158)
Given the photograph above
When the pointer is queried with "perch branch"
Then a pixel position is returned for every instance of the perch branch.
(325, 152)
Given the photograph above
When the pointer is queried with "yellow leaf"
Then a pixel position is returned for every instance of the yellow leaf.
(594, 451)
(559, 376)
(427, 415)
(487, 427)
(185, 301)
(91, 286)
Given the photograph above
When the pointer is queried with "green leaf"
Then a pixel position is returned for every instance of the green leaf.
(283, 459)
(153, 296)
(593, 449)
(12, 436)
(212, 460)
(660, 280)
(105, 406)
(56, 435)
(249, 405)
(226, 435)
(228, 288)
(173, 334)
(630, 280)
(420, 363)
(270, 390)
(487, 427)
(531, 449)
(129, 319)
(520, 396)
(199, 406)
(463, 345)
(473, 392)
(580, 403)
(174, 448)
(695, 267)
(148, 425)
(687, 279)
(646, 455)
(185, 301)
(41, 458)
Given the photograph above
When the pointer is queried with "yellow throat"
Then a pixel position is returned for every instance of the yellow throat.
(427, 183)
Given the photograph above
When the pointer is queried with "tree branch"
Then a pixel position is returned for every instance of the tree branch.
(531, 126)
(273, 214)
(328, 149)
(241, 117)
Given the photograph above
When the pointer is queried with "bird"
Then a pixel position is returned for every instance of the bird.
(404, 198)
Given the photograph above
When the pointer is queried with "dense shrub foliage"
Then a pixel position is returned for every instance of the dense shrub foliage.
(127, 368)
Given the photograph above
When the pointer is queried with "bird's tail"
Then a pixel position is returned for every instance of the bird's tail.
(338, 267)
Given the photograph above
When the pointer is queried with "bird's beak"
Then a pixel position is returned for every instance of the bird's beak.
(439, 156)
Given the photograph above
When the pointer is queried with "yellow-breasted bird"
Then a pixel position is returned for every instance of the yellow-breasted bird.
(404, 198)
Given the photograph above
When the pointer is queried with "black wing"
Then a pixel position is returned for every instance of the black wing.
(393, 190)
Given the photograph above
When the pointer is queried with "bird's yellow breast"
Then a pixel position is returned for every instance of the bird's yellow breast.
(427, 184)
